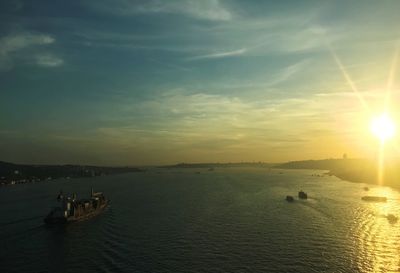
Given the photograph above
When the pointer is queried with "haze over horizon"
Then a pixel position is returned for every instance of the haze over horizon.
(163, 82)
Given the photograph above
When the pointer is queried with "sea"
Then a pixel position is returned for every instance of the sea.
(200, 220)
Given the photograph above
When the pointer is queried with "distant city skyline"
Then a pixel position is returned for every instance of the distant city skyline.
(162, 82)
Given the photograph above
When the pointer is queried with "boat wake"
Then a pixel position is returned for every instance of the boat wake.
(21, 221)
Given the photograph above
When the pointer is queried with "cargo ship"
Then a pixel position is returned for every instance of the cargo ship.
(71, 209)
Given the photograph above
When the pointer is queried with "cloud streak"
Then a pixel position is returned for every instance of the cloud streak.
(49, 60)
(212, 125)
(203, 10)
(12, 45)
(219, 55)
(17, 42)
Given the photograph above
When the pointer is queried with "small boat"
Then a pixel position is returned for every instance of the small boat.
(392, 218)
(302, 195)
(374, 198)
(71, 210)
(289, 198)
(366, 189)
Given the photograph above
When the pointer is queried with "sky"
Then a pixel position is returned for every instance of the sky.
(161, 82)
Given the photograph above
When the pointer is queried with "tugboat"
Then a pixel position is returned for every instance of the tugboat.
(392, 218)
(302, 195)
(72, 210)
(289, 198)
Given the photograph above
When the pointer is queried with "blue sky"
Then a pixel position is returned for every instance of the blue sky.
(159, 82)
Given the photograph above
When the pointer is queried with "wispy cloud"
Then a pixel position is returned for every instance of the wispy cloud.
(206, 115)
(205, 9)
(212, 125)
(230, 34)
(49, 60)
(219, 55)
(286, 73)
(12, 44)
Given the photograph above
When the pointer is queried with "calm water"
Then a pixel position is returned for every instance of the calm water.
(227, 220)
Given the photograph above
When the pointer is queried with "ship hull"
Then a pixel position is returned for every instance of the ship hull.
(50, 220)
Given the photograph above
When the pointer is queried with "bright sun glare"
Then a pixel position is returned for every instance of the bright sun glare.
(383, 127)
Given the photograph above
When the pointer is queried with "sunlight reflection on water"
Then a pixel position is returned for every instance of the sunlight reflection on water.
(376, 238)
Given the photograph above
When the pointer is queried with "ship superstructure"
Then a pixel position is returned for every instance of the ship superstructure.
(71, 209)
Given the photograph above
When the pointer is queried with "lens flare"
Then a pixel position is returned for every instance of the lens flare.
(383, 127)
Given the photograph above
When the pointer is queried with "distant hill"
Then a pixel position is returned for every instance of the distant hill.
(354, 170)
(327, 164)
(11, 173)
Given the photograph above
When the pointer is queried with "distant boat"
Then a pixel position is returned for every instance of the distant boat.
(71, 209)
(366, 189)
(374, 198)
(289, 198)
(302, 195)
(392, 218)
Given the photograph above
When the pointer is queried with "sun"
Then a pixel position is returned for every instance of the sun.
(383, 127)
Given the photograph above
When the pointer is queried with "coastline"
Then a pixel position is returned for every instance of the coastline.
(12, 174)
